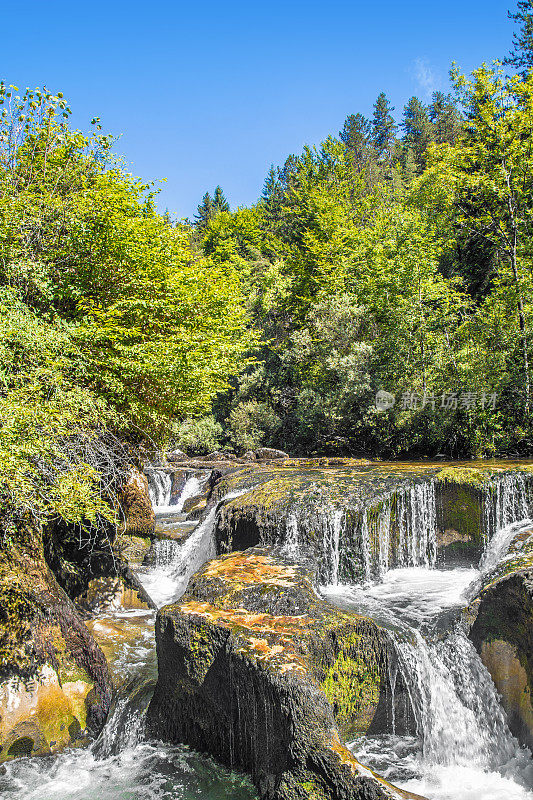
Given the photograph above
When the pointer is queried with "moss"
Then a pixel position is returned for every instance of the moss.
(311, 790)
(460, 510)
(470, 476)
(201, 654)
(352, 684)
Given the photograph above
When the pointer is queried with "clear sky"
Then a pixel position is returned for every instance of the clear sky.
(215, 92)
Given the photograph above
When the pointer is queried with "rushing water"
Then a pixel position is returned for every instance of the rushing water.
(160, 489)
(122, 764)
(463, 749)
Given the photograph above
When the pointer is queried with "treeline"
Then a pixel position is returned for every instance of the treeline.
(377, 299)
(391, 258)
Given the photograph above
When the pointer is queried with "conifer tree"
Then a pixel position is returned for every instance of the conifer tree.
(445, 118)
(521, 55)
(219, 201)
(383, 128)
(205, 211)
(270, 185)
(356, 136)
(417, 127)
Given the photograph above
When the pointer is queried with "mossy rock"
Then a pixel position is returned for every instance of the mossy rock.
(257, 670)
(137, 506)
(52, 671)
(501, 619)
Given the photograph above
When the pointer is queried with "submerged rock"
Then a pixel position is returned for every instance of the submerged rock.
(258, 671)
(55, 685)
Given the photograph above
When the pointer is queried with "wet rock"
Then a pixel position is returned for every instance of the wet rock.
(359, 517)
(258, 671)
(502, 633)
(137, 507)
(176, 455)
(195, 503)
(131, 549)
(268, 453)
(111, 593)
(54, 679)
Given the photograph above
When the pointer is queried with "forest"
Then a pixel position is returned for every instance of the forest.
(376, 300)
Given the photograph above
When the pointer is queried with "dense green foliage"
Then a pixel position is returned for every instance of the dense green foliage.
(377, 299)
(379, 262)
(110, 323)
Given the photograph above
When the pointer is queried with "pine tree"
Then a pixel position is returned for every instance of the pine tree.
(521, 56)
(383, 128)
(219, 201)
(205, 211)
(270, 185)
(356, 136)
(445, 118)
(418, 130)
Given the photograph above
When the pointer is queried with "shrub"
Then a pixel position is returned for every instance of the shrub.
(252, 424)
(199, 436)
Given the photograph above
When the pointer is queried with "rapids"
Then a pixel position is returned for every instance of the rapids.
(463, 749)
(121, 764)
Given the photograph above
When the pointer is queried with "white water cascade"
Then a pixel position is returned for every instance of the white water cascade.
(160, 490)
(175, 562)
(463, 749)
(159, 487)
(122, 763)
(504, 502)
(400, 531)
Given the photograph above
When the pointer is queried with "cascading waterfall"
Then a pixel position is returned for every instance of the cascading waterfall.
(463, 749)
(159, 487)
(168, 580)
(160, 490)
(121, 763)
(506, 501)
(400, 531)
(417, 525)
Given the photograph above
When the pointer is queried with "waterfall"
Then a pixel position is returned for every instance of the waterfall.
(159, 487)
(506, 501)
(417, 524)
(400, 531)
(160, 490)
(165, 552)
(496, 549)
(331, 537)
(193, 486)
(459, 717)
(463, 748)
(177, 562)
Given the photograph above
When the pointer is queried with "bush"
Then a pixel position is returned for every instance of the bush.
(251, 423)
(199, 436)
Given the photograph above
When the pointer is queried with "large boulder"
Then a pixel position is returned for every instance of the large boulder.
(258, 671)
(359, 518)
(55, 686)
(269, 453)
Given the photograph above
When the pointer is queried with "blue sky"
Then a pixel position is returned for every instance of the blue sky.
(207, 93)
